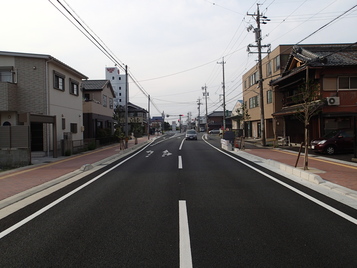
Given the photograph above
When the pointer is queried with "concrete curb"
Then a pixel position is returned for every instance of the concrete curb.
(301, 174)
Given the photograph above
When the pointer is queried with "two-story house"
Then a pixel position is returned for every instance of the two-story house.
(215, 120)
(98, 107)
(43, 93)
(333, 68)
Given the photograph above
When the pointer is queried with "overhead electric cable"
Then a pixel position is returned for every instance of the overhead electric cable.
(319, 29)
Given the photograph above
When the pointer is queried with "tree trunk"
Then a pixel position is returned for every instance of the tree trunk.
(306, 156)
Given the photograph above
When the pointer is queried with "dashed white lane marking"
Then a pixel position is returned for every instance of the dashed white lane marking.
(185, 244)
(180, 162)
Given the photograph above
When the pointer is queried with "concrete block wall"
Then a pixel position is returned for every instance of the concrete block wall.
(12, 158)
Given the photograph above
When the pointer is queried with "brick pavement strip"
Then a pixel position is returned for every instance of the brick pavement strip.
(17, 181)
(340, 173)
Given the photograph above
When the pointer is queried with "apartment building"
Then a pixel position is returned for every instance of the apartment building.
(119, 85)
(272, 66)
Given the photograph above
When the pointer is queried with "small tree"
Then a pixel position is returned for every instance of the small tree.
(119, 117)
(243, 113)
(310, 100)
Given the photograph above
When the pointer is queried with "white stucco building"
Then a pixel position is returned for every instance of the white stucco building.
(118, 82)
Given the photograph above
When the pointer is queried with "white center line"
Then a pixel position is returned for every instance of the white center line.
(185, 244)
(180, 162)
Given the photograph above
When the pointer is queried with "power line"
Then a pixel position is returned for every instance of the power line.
(91, 36)
(319, 29)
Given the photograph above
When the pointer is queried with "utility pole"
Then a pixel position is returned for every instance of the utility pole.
(180, 115)
(258, 39)
(148, 117)
(126, 101)
(163, 122)
(199, 114)
(224, 96)
(206, 94)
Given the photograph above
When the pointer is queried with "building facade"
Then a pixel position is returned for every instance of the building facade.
(332, 68)
(272, 66)
(43, 93)
(119, 85)
(98, 108)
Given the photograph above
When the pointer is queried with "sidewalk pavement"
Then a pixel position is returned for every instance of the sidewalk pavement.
(45, 173)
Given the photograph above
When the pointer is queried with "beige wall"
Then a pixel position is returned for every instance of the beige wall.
(253, 90)
(63, 104)
(96, 105)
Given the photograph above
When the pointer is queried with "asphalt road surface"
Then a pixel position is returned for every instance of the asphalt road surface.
(179, 203)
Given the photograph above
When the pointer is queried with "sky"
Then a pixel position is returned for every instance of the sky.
(173, 48)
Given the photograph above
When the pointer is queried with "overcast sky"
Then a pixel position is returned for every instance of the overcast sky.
(171, 47)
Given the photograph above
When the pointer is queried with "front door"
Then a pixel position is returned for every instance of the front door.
(36, 137)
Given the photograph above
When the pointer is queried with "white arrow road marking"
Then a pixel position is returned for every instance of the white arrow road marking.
(166, 153)
(149, 153)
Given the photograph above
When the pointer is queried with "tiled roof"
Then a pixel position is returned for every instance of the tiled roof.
(94, 85)
(327, 55)
(42, 56)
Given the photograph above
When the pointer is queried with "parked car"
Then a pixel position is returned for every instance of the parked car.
(340, 140)
(191, 134)
(214, 131)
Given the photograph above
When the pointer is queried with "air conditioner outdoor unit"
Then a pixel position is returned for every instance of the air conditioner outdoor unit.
(333, 100)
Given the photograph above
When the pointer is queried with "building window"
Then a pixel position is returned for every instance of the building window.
(6, 74)
(104, 100)
(253, 102)
(347, 83)
(277, 63)
(253, 79)
(110, 103)
(119, 88)
(269, 68)
(119, 78)
(87, 97)
(58, 81)
(73, 127)
(74, 86)
(269, 96)
(63, 123)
